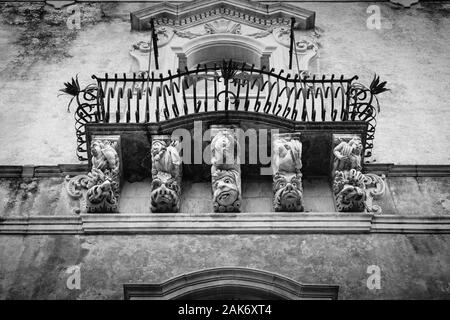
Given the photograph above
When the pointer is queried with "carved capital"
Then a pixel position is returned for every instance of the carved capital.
(103, 181)
(286, 168)
(166, 174)
(225, 170)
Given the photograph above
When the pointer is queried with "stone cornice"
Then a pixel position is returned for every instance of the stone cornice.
(62, 170)
(241, 223)
(195, 12)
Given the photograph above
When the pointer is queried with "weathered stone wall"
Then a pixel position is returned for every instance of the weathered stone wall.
(38, 53)
(412, 266)
(48, 196)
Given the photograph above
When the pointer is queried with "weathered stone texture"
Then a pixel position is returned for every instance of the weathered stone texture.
(48, 196)
(412, 266)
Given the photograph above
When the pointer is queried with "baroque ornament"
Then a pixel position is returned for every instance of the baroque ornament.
(287, 176)
(103, 182)
(353, 190)
(225, 171)
(166, 174)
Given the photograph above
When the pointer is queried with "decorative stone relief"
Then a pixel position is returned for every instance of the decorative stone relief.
(225, 170)
(353, 190)
(103, 182)
(222, 26)
(166, 174)
(306, 46)
(286, 168)
(140, 50)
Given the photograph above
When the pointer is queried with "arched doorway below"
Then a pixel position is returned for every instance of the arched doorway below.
(230, 284)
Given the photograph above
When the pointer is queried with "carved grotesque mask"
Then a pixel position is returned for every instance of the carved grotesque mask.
(165, 193)
(349, 189)
(288, 192)
(226, 190)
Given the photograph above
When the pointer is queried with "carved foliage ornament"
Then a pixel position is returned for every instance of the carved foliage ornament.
(353, 190)
(166, 174)
(287, 177)
(103, 182)
(225, 171)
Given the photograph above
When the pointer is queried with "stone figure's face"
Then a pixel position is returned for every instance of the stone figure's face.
(158, 149)
(165, 194)
(288, 192)
(96, 149)
(356, 145)
(226, 190)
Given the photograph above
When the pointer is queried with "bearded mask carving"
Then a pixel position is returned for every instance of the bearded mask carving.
(288, 192)
(287, 177)
(165, 194)
(166, 175)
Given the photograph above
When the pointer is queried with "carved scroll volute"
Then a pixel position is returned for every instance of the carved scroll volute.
(103, 181)
(353, 191)
(286, 168)
(166, 174)
(225, 170)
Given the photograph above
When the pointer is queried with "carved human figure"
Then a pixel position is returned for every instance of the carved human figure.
(347, 155)
(166, 174)
(353, 190)
(225, 171)
(104, 178)
(287, 176)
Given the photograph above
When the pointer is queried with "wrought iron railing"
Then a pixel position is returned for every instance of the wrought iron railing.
(229, 86)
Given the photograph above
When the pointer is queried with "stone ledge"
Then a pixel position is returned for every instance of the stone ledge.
(388, 169)
(242, 223)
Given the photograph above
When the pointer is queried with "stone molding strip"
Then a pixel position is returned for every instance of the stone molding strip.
(31, 171)
(241, 223)
(61, 170)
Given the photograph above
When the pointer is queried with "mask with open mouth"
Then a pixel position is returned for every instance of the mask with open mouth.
(226, 191)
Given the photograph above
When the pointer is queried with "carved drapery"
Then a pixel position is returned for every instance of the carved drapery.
(286, 168)
(103, 181)
(225, 170)
(166, 174)
(353, 191)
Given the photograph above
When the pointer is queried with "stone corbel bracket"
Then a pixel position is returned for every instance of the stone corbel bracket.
(225, 169)
(353, 191)
(286, 168)
(99, 190)
(167, 170)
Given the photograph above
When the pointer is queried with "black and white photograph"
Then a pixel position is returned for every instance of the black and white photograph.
(225, 151)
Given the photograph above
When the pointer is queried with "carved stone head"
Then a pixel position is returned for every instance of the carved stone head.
(165, 194)
(226, 190)
(288, 192)
(349, 190)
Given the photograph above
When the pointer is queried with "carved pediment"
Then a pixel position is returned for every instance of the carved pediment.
(252, 13)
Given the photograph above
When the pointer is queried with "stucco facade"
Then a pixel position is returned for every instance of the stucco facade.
(44, 230)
